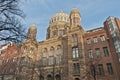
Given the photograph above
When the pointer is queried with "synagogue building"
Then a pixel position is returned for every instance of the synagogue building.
(70, 52)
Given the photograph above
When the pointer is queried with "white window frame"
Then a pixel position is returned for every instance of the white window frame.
(88, 41)
(90, 54)
(102, 38)
(95, 40)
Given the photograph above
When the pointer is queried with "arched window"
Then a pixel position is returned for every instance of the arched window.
(49, 77)
(51, 51)
(31, 50)
(77, 79)
(59, 50)
(44, 61)
(59, 54)
(44, 53)
(76, 68)
(51, 60)
(57, 77)
(58, 59)
(74, 38)
(75, 52)
(41, 77)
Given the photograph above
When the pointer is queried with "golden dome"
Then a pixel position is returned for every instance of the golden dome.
(61, 16)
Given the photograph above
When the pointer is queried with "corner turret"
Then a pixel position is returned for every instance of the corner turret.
(75, 18)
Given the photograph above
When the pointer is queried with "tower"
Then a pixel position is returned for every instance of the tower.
(75, 18)
(112, 27)
(28, 56)
(32, 32)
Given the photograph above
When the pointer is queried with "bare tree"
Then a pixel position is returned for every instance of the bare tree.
(11, 28)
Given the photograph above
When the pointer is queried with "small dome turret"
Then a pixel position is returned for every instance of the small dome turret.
(75, 10)
(33, 27)
(75, 18)
(32, 32)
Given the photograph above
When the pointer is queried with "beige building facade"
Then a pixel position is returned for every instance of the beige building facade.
(65, 53)
(60, 55)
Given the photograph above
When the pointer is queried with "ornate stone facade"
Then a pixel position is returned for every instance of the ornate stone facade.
(66, 52)
(27, 62)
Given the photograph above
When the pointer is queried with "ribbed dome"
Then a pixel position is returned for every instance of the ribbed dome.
(61, 16)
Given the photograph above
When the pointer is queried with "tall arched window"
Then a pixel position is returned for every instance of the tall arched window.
(77, 79)
(51, 56)
(74, 38)
(44, 53)
(75, 52)
(59, 50)
(59, 54)
(44, 57)
(57, 77)
(51, 51)
(49, 77)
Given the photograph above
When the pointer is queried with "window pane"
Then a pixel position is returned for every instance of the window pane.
(76, 68)
(74, 38)
(97, 52)
(75, 52)
(105, 49)
(95, 40)
(59, 50)
(45, 53)
(102, 38)
(90, 53)
(109, 68)
(92, 69)
(51, 52)
(58, 59)
(51, 60)
(101, 70)
(44, 61)
(88, 41)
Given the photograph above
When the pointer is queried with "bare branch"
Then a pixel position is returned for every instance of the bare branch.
(9, 21)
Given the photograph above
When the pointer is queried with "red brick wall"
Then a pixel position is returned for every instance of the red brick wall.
(8, 66)
(100, 44)
(111, 45)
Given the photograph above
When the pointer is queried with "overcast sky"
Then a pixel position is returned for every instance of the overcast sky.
(93, 12)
